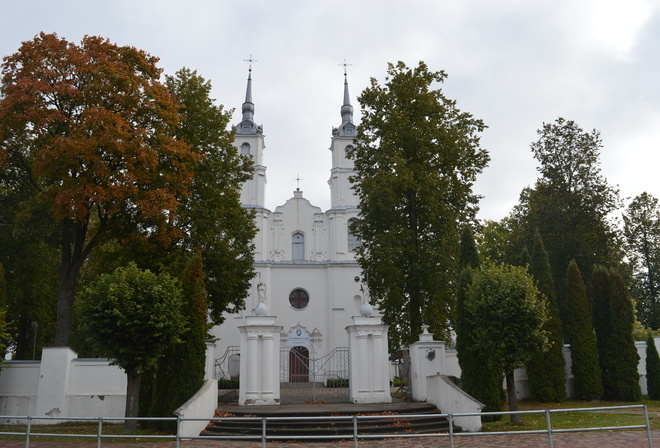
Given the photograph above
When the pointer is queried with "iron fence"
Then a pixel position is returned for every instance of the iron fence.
(355, 435)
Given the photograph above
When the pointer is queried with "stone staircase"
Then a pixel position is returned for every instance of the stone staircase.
(316, 422)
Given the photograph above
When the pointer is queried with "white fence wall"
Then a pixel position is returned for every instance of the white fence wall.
(452, 368)
(62, 385)
(19, 384)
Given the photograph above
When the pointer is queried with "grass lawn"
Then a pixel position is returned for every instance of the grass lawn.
(78, 428)
(579, 419)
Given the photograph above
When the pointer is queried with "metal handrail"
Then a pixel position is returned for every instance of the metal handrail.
(354, 434)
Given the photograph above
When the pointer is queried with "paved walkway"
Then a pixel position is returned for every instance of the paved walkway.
(605, 439)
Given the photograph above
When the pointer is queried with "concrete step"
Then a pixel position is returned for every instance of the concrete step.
(312, 422)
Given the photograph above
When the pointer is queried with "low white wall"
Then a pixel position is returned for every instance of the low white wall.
(449, 398)
(62, 385)
(202, 405)
(19, 383)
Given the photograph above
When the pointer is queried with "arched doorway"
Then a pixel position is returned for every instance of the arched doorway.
(299, 365)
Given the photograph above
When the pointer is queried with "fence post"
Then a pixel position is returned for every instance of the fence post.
(27, 431)
(355, 438)
(450, 419)
(263, 431)
(178, 431)
(99, 433)
(549, 425)
(648, 426)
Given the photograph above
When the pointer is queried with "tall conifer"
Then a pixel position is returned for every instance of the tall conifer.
(619, 359)
(545, 371)
(652, 369)
(580, 335)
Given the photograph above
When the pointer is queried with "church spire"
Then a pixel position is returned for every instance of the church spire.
(346, 108)
(347, 128)
(247, 125)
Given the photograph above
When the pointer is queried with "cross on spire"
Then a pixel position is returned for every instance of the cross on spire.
(344, 65)
(298, 179)
(250, 60)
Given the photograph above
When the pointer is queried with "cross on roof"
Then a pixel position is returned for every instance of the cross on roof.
(250, 60)
(344, 65)
(298, 179)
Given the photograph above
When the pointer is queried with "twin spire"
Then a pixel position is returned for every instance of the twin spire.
(248, 126)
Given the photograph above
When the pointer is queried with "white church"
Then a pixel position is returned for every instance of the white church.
(307, 275)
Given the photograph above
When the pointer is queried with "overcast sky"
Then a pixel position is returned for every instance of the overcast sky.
(514, 64)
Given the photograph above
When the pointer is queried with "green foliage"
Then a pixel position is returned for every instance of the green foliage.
(212, 219)
(569, 204)
(580, 334)
(642, 243)
(601, 295)
(619, 358)
(469, 255)
(134, 315)
(545, 369)
(652, 369)
(507, 318)
(416, 158)
(479, 378)
(87, 132)
(179, 373)
(508, 315)
(336, 382)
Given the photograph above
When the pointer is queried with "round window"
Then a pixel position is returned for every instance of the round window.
(299, 299)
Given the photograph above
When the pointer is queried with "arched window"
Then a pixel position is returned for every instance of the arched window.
(297, 246)
(353, 240)
(299, 299)
(245, 148)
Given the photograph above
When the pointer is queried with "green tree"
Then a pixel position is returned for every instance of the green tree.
(579, 332)
(212, 219)
(613, 320)
(180, 372)
(545, 369)
(469, 254)
(134, 316)
(641, 228)
(652, 369)
(570, 203)
(508, 321)
(91, 129)
(416, 158)
(478, 378)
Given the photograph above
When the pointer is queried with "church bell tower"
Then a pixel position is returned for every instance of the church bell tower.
(250, 141)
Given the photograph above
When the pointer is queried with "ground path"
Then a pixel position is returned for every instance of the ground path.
(600, 439)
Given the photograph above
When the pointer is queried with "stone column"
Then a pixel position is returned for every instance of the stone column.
(426, 359)
(260, 362)
(369, 362)
(54, 381)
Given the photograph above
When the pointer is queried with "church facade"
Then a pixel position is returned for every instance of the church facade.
(307, 275)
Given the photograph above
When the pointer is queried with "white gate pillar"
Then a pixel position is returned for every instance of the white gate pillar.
(427, 358)
(259, 362)
(368, 359)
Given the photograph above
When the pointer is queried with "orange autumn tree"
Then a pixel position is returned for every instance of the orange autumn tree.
(90, 129)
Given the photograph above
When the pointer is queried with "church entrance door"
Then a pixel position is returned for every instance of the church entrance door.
(305, 379)
(299, 365)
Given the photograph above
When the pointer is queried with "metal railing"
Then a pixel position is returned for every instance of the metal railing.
(354, 435)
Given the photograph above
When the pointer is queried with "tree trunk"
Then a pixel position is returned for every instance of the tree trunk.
(132, 400)
(65, 307)
(513, 398)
